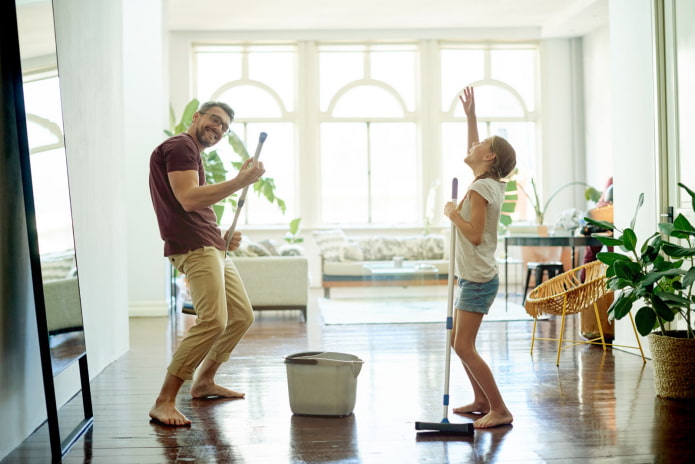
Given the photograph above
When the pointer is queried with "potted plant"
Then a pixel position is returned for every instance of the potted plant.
(657, 278)
(540, 208)
(214, 167)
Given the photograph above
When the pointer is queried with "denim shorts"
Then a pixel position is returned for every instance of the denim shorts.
(477, 297)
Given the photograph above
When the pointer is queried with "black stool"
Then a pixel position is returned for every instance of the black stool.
(553, 269)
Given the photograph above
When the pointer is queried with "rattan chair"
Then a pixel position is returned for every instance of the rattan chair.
(570, 293)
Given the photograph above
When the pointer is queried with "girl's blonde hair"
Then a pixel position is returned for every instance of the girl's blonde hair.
(505, 159)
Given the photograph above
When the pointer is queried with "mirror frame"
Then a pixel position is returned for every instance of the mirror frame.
(13, 69)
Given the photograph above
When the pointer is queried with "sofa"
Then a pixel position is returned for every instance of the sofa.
(380, 260)
(61, 292)
(275, 278)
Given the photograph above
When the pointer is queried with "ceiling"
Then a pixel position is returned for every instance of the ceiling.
(541, 18)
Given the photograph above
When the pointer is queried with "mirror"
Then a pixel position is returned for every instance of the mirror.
(49, 220)
(50, 182)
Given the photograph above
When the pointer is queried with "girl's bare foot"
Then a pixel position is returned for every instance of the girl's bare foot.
(493, 419)
(208, 390)
(477, 407)
(166, 413)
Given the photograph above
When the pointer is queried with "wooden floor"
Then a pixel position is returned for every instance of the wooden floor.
(595, 408)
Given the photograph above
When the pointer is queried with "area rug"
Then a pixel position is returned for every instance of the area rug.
(405, 310)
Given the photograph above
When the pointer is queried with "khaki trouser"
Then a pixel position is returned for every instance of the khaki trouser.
(223, 309)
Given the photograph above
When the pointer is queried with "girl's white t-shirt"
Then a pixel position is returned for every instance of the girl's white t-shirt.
(478, 263)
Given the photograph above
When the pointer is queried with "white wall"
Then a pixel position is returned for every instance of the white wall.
(145, 110)
(598, 132)
(633, 121)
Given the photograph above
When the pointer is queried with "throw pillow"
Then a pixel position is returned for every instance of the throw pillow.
(330, 243)
(291, 249)
(270, 246)
(351, 251)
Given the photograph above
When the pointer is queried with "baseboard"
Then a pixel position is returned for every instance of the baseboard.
(145, 308)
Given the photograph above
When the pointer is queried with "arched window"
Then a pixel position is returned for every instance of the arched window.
(258, 82)
(368, 134)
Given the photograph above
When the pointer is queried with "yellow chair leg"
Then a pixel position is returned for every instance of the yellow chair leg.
(639, 343)
(562, 331)
(533, 336)
(600, 327)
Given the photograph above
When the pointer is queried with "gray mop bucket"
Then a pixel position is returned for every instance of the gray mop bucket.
(322, 383)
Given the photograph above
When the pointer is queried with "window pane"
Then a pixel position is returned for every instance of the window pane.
(493, 102)
(460, 68)
(344, 173)
(276, 70)
(394, 173)
(280, 165)
(337, 69)
(251, 102)
(454, 150)
(398, 69)
(516, 68)
(368, 101)
(216, 69)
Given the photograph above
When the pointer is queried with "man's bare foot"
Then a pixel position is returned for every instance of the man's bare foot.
(167, 414)
(213, 390)
(493, 419)
(475, 408)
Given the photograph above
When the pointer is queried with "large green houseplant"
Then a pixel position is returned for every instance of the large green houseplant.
(657, 278)
(215, 171)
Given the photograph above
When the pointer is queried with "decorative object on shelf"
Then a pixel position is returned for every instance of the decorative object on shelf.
(568, 222)
(659, 277)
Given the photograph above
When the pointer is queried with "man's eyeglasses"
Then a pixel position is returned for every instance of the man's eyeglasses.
(218, 121)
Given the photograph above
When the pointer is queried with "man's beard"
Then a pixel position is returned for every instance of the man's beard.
(204, 138)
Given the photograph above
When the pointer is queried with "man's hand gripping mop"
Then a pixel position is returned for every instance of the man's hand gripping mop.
(445, 426)
(188, 306)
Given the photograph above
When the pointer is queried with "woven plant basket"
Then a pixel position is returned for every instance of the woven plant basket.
(673, 358)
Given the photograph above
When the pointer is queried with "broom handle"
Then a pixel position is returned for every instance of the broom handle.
(450, 303)
(242, 197)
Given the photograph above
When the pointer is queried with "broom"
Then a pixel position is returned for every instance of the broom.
(445, 425)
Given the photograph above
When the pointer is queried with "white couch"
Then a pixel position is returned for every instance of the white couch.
(363, 261)
(275, 282)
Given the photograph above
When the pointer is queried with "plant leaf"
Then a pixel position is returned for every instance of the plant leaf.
(662, 309)
(645, 320)
(640, 202)
(610, 257)
(621, 305)
(677, 251)
(601, 224)
(629, 239)
(690, 192)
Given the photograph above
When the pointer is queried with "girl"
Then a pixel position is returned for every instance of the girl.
(476, 219)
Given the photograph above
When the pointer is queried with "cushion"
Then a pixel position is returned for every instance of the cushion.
(351, 251)
(330, 243)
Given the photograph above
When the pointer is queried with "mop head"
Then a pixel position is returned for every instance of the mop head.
(466, 429)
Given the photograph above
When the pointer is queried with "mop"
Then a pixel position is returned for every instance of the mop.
(445, 425)
(187, 306)
(242, 197)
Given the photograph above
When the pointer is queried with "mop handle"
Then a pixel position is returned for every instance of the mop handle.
(242, 197)
(450, 304)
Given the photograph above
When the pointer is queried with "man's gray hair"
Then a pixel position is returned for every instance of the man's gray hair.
(209, 104)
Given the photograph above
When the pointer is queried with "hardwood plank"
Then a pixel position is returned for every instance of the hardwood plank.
(596, 407)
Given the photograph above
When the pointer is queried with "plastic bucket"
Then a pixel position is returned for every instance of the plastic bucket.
(322, 383)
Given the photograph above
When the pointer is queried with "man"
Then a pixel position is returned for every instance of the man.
(195, 246)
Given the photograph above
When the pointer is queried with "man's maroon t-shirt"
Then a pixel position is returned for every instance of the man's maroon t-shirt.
(181, 231)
